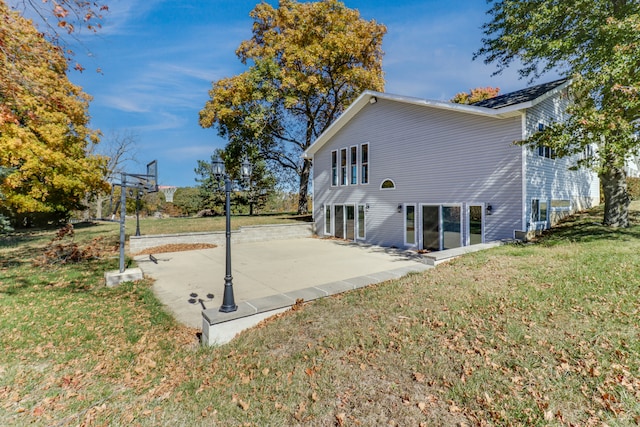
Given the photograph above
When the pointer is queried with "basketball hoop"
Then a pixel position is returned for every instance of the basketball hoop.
(168, 192)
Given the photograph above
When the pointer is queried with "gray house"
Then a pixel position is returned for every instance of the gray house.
(413, 173)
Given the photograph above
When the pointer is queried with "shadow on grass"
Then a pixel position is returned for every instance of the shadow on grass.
(85, 276)
(587, 227)
(301, 218)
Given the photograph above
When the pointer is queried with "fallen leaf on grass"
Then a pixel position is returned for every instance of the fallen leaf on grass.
(241, 403)
(302, 408)
(419, 377)
(176, 247)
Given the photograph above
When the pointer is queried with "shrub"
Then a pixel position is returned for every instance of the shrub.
(633, 187)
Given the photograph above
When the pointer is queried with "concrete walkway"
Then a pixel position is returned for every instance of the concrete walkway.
(267, 277)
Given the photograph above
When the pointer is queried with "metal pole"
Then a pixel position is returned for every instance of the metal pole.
(228, 301)
(138, 213)
(123, 214)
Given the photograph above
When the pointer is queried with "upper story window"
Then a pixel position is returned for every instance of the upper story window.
(364, 164)
(343, 166)
(334, 168)
(548, 152)
(350, 166)
(543, 150)
(353, 157)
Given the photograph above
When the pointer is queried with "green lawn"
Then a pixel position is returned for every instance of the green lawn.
(524, 334)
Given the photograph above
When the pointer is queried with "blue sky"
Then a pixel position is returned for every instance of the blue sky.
(159, 57)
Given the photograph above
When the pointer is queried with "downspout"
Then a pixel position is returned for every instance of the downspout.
(524, 173)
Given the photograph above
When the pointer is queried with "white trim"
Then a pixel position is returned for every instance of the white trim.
(452, 205)
(390, 180)
(364, 220)
(440, 206)
(351, 165)
(539, 225)
(483, 219)
(346, 168)
(368, 164)
(415, 225)
(337, 182)
(324, 222)
(420, 229)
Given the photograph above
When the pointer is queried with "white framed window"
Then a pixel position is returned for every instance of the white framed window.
(353, 165)
(544, 151)
(327, 220)
(538, 211)
(364, 163)
(560, 204)
(334, 168)
(410, 225)
(475, 223)
(388, 184)
(362, 221)
(343, 166)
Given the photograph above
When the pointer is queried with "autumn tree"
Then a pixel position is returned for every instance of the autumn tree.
(307, 61)
(597, 44)
(4, 221)
(44, 129)
(476, 95)
(61, 20)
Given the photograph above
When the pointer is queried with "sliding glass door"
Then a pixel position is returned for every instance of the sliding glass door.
(441, 227)
(431, 228)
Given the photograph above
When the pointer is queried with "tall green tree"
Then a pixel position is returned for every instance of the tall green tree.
(187, 199)
(44, 129)
(210, 190)
(307, 62)
(597, 44)
(253, 192)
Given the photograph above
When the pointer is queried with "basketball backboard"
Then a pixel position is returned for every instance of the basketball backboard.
(152, 177)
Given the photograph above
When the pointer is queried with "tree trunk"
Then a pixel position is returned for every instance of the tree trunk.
(303, 202)
(99, 200)
(616, 198)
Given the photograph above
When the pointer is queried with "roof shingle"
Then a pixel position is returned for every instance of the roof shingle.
(519, 96)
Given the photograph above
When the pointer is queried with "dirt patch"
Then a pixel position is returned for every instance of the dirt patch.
(176, 247)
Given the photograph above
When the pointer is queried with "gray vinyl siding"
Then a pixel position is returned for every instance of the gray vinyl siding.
(434, 156)
(550, 179)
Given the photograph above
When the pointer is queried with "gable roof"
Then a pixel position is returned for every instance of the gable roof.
(507, 105)
(520, 96)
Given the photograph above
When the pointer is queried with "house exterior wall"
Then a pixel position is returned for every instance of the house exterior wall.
(433, 156)
(549, 179)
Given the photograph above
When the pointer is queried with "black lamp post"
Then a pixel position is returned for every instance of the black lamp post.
(137, 210)
(218, 169)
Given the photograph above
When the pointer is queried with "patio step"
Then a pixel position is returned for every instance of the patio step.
(437, 257)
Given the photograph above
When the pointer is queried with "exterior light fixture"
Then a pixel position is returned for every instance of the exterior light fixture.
(489, 209)
(399, 207)
(373, 100)
(219, 173)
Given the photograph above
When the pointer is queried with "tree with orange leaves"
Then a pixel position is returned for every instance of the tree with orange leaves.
(44, 129)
